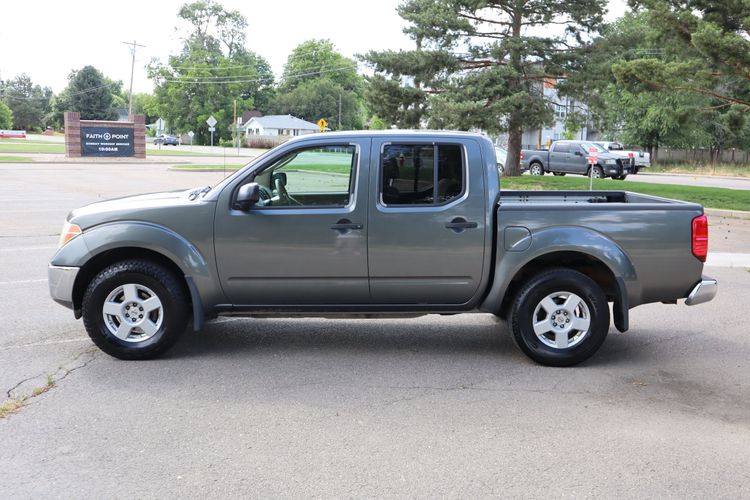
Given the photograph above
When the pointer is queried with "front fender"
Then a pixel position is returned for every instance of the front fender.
(198, 272)
(560, 239)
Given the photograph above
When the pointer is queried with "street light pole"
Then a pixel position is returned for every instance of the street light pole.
(132, 47)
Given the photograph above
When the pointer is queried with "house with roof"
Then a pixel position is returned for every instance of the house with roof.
(278, 125)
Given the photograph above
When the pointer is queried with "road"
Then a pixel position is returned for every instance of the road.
(427, 407)
(693, 180)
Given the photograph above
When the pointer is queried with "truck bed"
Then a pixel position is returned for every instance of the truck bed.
(651, 232)
(513, 197)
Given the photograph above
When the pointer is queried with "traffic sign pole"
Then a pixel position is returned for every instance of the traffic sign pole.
(593, 158)
(212, 127)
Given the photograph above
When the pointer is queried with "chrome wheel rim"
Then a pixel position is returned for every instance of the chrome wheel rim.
(561, 320)
(536, 170)
(597, 174)
(133, 313)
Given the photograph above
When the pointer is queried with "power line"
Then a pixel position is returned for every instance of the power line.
(29, 98)
(221, 78)
(254, 80)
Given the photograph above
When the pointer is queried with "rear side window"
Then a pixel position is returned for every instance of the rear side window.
(561, 147)
(421, 174)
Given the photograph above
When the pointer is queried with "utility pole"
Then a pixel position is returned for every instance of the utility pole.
(339, 127)
(132, 47)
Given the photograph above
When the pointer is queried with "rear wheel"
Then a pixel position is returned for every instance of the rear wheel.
(135, 309)
(560, 318)
(536, 169)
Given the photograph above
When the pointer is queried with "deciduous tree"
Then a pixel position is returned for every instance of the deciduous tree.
(6, 116)
(28, 102)
(212, 70)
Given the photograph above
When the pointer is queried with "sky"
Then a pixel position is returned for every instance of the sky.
(46, 39)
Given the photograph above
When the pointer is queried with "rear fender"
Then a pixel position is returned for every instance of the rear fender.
(566, 239)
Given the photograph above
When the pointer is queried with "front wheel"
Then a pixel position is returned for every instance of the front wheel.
(135, 309)
(597, 172)
(560, 318)
(536, 169)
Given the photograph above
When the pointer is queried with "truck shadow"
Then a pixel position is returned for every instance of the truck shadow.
(475, 335)
(253, 336)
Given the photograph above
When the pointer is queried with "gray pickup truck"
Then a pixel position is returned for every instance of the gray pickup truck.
(377, 224)
(572, 157)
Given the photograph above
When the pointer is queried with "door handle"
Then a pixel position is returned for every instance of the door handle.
(459, 224)
(345, 225)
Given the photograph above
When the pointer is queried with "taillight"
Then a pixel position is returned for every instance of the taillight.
(700, 237)
(522, 155)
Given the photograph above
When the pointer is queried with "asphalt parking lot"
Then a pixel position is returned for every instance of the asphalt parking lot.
(422, 407)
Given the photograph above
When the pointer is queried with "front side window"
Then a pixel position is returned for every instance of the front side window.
(319, 176)
(421, 174)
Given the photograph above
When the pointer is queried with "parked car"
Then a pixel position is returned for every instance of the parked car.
(166, 140)
(571, 157)
(397, 223)
(642, 159)
(500, 155)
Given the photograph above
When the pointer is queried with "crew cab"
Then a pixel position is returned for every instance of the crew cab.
(390, 223)
(572, 157)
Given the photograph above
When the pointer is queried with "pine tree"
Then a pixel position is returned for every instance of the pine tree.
(480, 64)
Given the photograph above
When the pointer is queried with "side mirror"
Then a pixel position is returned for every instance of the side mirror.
(279, 176)
(577, 153)
(247, 196)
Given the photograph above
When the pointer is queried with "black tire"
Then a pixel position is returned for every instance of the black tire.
(171, 317)
(536, 168)
(529, 300)
(559, 174)
(598, 172)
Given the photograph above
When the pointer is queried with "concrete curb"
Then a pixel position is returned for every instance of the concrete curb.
(198, 170)
(668, 174)
(735, 214)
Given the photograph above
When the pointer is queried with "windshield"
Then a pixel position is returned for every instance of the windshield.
(588, 146)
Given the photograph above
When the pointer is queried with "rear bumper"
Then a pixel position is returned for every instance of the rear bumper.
(704, 291)
(61, 280)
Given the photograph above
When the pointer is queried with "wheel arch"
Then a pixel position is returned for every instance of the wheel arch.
(585, 251)
(114, 242)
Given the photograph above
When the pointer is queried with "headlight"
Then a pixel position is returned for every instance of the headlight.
(69, 231)
(610, 162)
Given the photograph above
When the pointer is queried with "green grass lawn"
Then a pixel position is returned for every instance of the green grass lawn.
(21, 146)
(14, 159)
(729, 199)
(36, 147)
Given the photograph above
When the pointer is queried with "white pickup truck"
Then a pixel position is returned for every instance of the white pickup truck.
(642, 159)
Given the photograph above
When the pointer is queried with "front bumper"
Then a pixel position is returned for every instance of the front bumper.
(61, 280)
(704, 291)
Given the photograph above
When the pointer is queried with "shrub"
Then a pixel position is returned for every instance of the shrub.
(6, 116)
(264, 142)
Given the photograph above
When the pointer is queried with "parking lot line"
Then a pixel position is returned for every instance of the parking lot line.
(28, 249)
(19, 282)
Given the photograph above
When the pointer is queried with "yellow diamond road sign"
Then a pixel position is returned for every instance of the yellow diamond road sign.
(322, 123)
